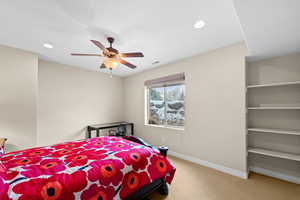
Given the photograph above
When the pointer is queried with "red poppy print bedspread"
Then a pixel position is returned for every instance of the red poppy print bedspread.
(103, 168)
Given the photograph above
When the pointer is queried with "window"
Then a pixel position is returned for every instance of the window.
(165, 102)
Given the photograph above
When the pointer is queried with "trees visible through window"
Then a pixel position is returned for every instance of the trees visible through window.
(166, 105)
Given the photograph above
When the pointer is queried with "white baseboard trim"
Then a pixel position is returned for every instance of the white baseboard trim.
(275, 174)
(234, 172)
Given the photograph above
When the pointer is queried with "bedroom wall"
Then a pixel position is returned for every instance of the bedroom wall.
(18, 99)
(215, 108)
(71, 98)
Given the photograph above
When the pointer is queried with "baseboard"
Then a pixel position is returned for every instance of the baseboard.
(234, 172)
(275, 174)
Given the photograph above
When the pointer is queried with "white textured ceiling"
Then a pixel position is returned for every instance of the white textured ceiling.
(271, 27)
(161, 29)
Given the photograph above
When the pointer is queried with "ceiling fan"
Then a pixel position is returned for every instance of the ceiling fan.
(112, 57)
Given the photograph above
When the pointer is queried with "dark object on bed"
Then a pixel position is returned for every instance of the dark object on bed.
(139, 141)
(162, 149)
(120, 125)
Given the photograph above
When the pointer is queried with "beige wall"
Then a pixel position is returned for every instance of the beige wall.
(18, 99)
(215, 107)
(71, 98)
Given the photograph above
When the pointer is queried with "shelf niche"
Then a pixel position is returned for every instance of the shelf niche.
(273, 117)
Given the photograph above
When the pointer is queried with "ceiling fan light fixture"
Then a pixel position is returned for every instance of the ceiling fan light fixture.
(112, 57)
(111, 63)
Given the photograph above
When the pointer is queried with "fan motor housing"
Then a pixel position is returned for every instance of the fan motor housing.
(111, 40)
(112, 51)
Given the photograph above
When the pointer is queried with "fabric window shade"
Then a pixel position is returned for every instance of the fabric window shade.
(175, 78)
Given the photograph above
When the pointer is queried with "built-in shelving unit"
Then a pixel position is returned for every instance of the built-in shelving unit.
(273, 122)
(277, 131)
(276, 154)
(274, 84)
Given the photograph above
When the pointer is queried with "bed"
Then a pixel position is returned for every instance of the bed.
(102, 168)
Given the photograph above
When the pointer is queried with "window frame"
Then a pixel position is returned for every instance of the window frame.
(147, 105)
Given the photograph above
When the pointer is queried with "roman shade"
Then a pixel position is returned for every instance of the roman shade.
(180, 77)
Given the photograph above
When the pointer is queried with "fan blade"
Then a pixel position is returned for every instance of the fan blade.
(102, 66)
(83, 54)
(124, 62)
(135, 54)
(98, 44)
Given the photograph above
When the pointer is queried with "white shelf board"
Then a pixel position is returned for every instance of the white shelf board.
(279, 131)
(274, 108)
(276, 154)
(274, 84)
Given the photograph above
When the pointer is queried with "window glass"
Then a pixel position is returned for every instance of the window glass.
(166, 105)
(156, 106)
(175, 105)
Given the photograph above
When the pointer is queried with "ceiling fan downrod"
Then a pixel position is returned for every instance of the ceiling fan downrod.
(111, 41)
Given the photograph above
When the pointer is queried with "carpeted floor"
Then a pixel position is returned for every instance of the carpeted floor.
(194, 182)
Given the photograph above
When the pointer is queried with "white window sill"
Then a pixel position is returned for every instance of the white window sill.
(166, 127)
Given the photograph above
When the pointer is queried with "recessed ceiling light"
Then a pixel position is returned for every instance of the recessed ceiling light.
(48, 46)
(199, 24)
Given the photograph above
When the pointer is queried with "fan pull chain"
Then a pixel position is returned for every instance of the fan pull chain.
(110, 72)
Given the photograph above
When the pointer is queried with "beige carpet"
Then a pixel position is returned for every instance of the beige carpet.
(194, 182)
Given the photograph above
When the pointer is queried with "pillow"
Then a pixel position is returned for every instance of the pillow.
(2, 142)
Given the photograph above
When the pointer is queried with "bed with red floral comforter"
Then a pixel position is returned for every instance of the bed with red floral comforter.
(103, 168)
